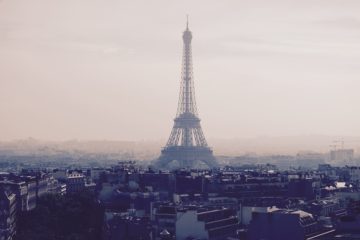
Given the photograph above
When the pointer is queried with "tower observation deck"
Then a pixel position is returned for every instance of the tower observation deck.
(186, 145)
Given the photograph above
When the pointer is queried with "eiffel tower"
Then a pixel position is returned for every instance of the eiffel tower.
(186, 146)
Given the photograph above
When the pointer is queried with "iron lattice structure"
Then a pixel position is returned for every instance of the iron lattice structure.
(187, 143)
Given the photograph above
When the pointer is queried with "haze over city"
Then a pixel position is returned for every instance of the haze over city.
(179, 120)
(96, 70)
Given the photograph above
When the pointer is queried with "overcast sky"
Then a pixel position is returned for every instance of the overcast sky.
(95, 69)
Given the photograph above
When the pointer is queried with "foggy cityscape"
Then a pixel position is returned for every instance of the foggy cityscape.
(206, 120)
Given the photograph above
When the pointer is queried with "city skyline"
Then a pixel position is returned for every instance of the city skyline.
(179, 120)
(71, 70)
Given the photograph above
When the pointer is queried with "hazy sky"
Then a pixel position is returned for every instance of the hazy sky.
(95, 69)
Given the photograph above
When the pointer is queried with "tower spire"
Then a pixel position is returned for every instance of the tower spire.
(187, 22)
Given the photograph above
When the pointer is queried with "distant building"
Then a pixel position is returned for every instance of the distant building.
(75, 182)
(329, 171)
(42, 185)
(31, 196)
(56, 187)
(95, 173)
(354, 173)
(326, 208)
(161, 182)
(302, 188)
(141, 201)
(283, 224)
(164, 217)
(246, 213)
(20, 189)
(348, 196)
(125, 226)
(310, 159)
(210, 224)
(90, 186)
(60, 174)
(341, 155)
(8, 211)
(227, 202)
(190, 184)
